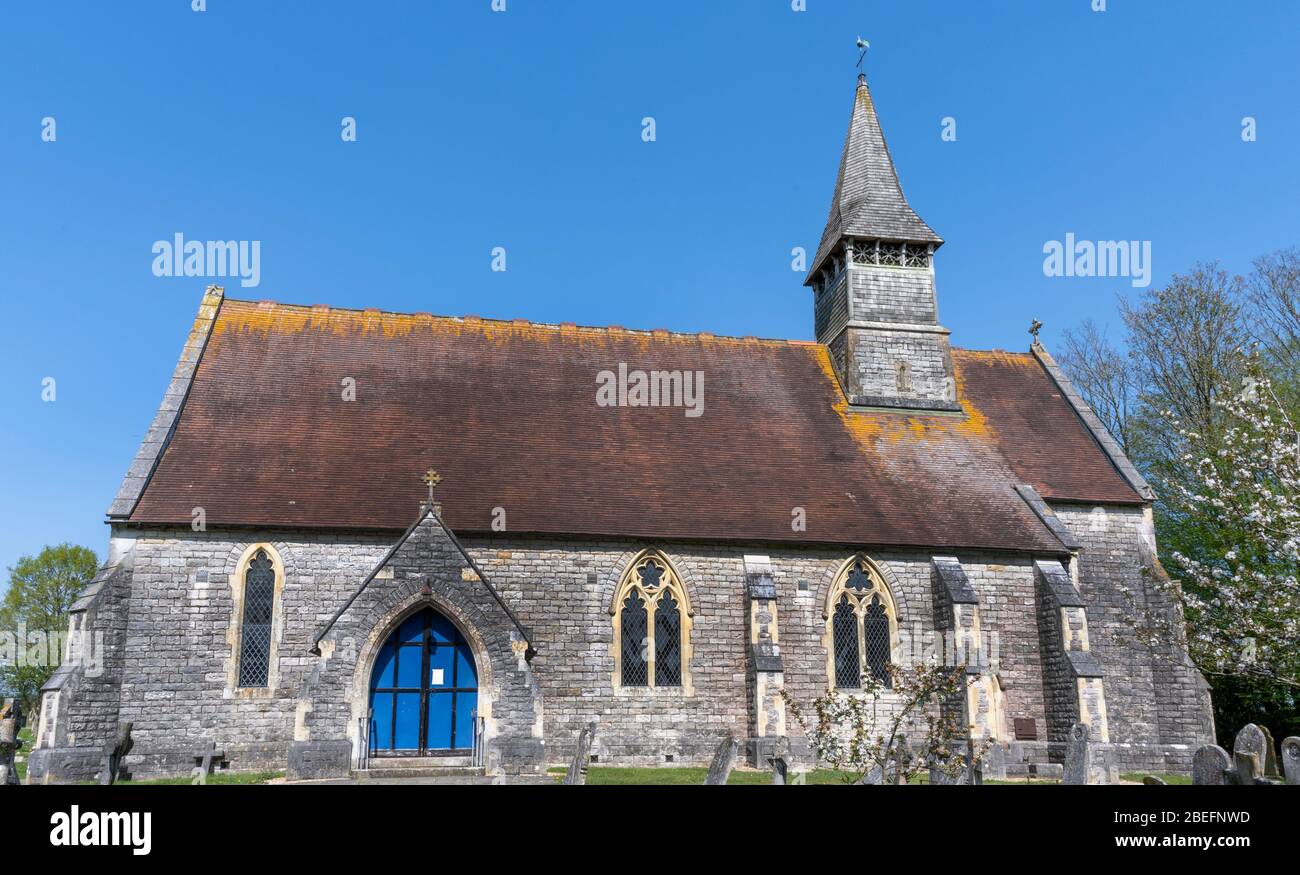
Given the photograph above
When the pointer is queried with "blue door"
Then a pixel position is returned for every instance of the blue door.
(424, 689)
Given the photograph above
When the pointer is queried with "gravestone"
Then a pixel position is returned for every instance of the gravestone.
(780, 770)
(1270, 759)
(1247, 767)
(940, 777)
(1291, 759)
(577, 774)
(8, 744)
(993, 764)
(115, 753)
(205, 756)
(1254, 741)
(875, 775)
(1078, 756)
(1153, 781)
(777, 760)
(723, 761)
(902, 758)
(1211, 766)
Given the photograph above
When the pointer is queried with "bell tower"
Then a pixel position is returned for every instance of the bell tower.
(875, 306)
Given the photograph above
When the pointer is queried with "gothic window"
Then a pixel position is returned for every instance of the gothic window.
(261, 572)
(917, 256)
(891, 254)
(651, 625)
(862, 625)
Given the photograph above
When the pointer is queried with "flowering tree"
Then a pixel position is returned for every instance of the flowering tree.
(864, 733)
(1240, 592)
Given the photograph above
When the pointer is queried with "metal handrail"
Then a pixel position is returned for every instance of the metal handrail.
(477, 754)
(363, 739)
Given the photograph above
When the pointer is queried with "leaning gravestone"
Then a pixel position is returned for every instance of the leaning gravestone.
(1247, 767)
(939, 775)
(206, 756)
(1254, 741)
(115, 753)
(992, 765)
(777, 760)
(8, 744)
(1270, 755)
(1291, 759)
(780, 770)
(1211, 766)
(577, 773)
(1078, 756)
(723, 761)
(902, 759)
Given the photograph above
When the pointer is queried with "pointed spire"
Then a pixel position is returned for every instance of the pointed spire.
(868, 202)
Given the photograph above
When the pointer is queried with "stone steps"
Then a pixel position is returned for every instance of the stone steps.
(448, 767)
(381, 764)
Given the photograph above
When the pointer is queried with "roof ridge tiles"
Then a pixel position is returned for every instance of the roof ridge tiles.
(520, 322)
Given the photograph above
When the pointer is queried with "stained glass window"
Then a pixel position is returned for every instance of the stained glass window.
(255, 631)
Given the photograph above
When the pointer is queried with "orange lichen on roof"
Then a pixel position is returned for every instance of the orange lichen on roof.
(269, 317)
(869, 426)
(997, 356)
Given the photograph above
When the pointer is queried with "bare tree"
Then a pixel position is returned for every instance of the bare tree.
(1273, 292)
(1186, 342)
(1104, 376)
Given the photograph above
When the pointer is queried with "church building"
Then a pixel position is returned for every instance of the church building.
(353, 536)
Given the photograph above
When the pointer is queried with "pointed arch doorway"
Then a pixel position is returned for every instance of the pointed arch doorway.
(423, 689)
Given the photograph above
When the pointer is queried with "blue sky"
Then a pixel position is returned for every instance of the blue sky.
(522, 129)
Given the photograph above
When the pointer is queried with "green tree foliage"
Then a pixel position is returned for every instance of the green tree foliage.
(1181, 393)
(41, 589)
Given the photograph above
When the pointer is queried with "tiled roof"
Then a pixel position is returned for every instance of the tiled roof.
(507, 413)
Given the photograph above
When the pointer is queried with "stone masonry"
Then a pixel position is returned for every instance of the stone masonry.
(175, 662)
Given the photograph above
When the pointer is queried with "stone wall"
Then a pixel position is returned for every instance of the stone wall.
(178, 664)
(872, 357)
(1158, 703)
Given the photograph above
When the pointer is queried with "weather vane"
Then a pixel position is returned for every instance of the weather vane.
(863, 45)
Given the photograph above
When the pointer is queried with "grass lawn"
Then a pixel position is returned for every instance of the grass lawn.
(1137, 777)
(216, 778)
(26, 738)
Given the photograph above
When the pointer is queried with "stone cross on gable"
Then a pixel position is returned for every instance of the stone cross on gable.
(432, 478)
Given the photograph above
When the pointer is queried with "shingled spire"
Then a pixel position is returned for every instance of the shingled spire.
(868, 202)
(873, 278)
